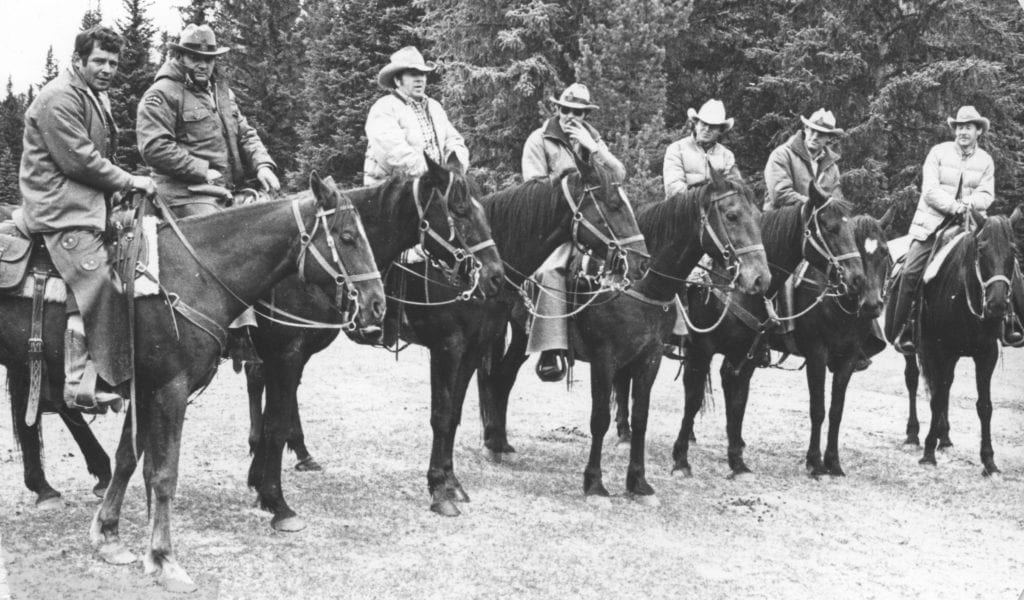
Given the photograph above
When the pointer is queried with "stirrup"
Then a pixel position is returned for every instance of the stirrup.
(1011, 333)
(904, 343)
(552, 372)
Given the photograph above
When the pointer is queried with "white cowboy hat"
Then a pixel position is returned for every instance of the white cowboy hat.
(711, 113)
(575, 96)
(824, 121)
(408, 58)
(968, 114)
(198, 39)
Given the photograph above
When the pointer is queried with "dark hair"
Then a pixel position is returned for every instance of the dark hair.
(107, 38)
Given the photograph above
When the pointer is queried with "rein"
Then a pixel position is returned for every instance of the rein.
(821, 246)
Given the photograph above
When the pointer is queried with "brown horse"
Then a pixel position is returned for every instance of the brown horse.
(962, 315)
(622, 334)
(209, 280)
(397, 215)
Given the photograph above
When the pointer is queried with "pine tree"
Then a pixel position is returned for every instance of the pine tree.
(12, 125)
(51, 69)
(197, 11)
(92, 18)
(134, 76)
(10, 193)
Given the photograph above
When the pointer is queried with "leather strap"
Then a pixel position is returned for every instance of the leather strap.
(35, 348)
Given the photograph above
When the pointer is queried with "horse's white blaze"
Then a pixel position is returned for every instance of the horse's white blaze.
(870, 245)
(476, 204)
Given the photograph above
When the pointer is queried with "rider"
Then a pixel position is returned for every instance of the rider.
(406, 123)
(956, 177)
(68, 182)
(688, 161)
(551, 149)
(191, 132)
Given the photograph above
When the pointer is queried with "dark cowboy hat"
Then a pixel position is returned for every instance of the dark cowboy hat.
(198, 39)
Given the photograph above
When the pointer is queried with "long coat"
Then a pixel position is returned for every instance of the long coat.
(789, 173)
(940, 178)
(183, 132)
(66, 173)
(549, 151)
(395, 142)
(686, 164)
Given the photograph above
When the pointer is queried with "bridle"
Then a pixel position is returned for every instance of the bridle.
(617, 257)
(983, 283)
(729, 252)
(814, 238)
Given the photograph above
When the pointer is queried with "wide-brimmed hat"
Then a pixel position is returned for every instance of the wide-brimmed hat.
(711, 113)
(968, 114)
(575, 96)
(198, 39)
(824, 121)
(405, 59)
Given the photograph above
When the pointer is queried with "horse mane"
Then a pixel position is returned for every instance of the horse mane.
(521, 213)
(865, 226)
(779, 226)
(660, 221)
(947, 282)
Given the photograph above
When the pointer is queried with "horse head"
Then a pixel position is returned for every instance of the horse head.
(604, 221)
(454, 227)
(829, 242)
(869, 234)
(359, 291)
(731, 232)
(992, 263)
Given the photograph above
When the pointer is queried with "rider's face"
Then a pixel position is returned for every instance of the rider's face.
(816, 140)
(967, 135)
(706, 134)
(98, 69)
(412, 84)
(200, 66)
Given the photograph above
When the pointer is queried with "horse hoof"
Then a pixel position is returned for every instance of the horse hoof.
(308, 464)
(445, 508)
(601, 502)
(745, 476)
(929, 463)
(624, 443)
(288, 524)
(52, 503)
(116, 553)
(457, 494)
(649, 500)
(493, 456)
(682, 473)
(174, 579)
(100, 489)
(995, 476)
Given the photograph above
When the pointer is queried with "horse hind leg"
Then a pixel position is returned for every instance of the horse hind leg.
(30, 440)
(96, 459)
(636, 481)
(620, 399)
(911, 377)
(695, 372)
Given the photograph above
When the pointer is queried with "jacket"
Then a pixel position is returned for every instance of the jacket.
(66, 174)
(686, 164)
(788, 174)
(548, 151)
(395, 143)
(940, 178)
(183, 132)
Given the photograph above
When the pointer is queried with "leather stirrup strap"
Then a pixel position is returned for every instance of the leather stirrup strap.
(35, 348)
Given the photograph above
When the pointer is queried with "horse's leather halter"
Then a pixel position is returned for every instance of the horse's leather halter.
(342, 279)
(821, 246)
(731, 254)
(982, 282)
(617, 249)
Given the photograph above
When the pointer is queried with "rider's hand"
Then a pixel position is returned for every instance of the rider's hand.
(960, 209)
(578, 133)
(214, 176)
(141, 183)
(268, 180)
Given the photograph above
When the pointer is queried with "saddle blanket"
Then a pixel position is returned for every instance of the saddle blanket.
(940, 256)
(56, 290)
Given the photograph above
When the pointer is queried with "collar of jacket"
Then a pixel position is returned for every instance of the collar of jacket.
(714, 149)
(174, 71)
(829, 157)
(408, 100)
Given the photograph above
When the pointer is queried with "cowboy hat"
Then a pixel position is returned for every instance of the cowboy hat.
(575, 96)
(405, 59)
(711, 113)
(968, 114)
(198, 39)
(824, 121)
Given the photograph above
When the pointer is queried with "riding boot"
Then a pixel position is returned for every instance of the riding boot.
(80, 377)
(240, 348)
(552, 365)
(905, 321)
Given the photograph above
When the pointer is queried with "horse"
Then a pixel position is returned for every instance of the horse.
(622, 333)
(208, 278)
(817, 231)
(962, 310)
(832, 334)
(397, 214)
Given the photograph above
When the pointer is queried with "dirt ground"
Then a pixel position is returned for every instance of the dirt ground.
(890, 529)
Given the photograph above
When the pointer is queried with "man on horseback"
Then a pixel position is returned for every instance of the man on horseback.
(688, 161)
(406, 124)
(957, 176)
(68, 183)
(191, 132)
(551, 149)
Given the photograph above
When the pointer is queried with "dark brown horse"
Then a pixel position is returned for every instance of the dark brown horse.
(961, 315)
(179, 342)
(397, 215)
(622, 333)
(818, 231)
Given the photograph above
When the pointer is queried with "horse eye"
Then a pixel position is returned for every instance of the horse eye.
(348, 238)
(732, 216)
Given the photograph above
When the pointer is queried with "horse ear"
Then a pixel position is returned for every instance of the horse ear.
(717, 179)
(316, 184)
(454, 165)
(978, 218)
(887, 218)
(324, 190)
(437, 172)
(816, 196)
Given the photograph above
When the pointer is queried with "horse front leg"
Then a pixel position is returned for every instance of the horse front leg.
(620, 398)
(984, 365)
(816, 388)
(602, 373)
(96, 459)
(938, 370)
(636, 480)
(495, 378)
(445, 363)
(104, 530)
(255, 384)
(695, 373)
(840, 383)
(912, 376)
(163, 449)
(736, 389)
